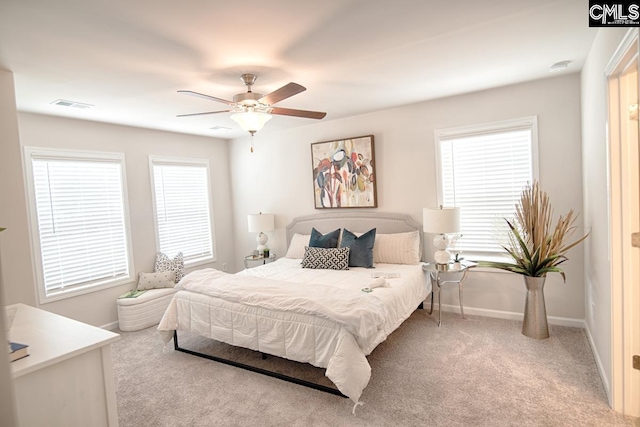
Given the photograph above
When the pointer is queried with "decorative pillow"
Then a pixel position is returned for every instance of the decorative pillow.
(397, 248)
(361, 254)
(326, 258)
(166, 279)
(297, 245)
(164, 263)
(319, 240)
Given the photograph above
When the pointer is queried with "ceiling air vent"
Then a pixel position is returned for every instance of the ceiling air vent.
(220, 129)
(64, 103)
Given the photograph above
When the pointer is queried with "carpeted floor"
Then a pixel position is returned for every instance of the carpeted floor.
(475, 372)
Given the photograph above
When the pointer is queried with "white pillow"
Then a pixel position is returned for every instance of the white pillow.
(397, 248)
(164, 263)
(166, 279)
(298, 243)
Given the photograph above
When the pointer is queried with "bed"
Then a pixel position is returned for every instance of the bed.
(316, 316)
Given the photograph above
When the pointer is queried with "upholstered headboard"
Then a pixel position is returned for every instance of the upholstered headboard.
(385, 223)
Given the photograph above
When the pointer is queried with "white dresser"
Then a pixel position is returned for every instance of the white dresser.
(67, 379)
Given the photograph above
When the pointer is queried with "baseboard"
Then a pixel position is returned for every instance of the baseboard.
(553, 320)
(110, 326)
(596, 355)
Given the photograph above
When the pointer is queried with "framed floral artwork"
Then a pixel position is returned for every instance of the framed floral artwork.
(344, 173)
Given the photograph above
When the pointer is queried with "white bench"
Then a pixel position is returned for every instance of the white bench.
(144, 311)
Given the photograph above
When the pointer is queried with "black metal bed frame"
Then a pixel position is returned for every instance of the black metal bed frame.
(277, 375)
(272, 374)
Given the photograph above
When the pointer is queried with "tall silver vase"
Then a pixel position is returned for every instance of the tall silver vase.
(535, 312)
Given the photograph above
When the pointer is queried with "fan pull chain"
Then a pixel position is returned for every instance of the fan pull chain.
(252, 133)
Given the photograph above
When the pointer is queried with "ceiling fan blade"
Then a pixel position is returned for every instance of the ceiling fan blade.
(202, 114)
(202, 95)
(298, 113)
(284, 92)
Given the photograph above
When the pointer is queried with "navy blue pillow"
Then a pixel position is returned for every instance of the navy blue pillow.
(319, 240)
(361, 248)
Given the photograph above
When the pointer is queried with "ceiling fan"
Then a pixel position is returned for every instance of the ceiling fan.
(252, 109)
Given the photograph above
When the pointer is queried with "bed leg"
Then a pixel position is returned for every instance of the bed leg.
(175, 340)
(264, 356)
(421, 306)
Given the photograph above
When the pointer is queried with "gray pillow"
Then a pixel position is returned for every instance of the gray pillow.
(326, 258)
(319, 240)
(361, 254)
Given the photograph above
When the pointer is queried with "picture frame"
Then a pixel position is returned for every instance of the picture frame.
(344, 173)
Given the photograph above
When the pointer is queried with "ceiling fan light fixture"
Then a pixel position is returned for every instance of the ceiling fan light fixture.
(251, 121)
(252, 109)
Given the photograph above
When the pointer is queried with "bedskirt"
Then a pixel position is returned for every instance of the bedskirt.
(235, 312)
(299, 337)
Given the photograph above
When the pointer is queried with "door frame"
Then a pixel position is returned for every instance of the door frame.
(624, 205)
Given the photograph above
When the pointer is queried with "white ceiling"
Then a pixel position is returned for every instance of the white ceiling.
(128, 58)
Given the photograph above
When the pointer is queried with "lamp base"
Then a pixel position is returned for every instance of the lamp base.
(262, 242)
(441, 241)
(442, 257)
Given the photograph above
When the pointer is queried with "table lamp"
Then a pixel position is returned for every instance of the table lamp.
(258, 223)
(441, 221)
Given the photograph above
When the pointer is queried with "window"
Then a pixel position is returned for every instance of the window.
(183, 208)
(79, 221)
(482, 170)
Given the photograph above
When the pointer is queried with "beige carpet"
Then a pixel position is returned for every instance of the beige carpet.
(474, 372)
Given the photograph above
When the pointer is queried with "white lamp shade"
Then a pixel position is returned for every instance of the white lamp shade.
(260, 222)
(441, 220)
(251, 121)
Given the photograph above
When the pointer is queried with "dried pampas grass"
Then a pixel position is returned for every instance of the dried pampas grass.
(536, 247)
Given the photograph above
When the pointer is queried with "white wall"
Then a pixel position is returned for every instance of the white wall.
(10, 177)
(99, 308)
(14, 246)
(277, 178)
(596, 198)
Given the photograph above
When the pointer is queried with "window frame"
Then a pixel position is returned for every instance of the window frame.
(527, 122)
(34, 229)
(183, 161)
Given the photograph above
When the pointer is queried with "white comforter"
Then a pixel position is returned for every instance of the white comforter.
(315, 316)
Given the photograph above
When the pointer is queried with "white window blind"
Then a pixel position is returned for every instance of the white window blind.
(483, 171)
(183, 208)
(80, 223)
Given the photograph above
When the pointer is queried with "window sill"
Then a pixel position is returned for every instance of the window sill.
(493, 257)
(489, 270)
(199, 261)
(71, 293)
